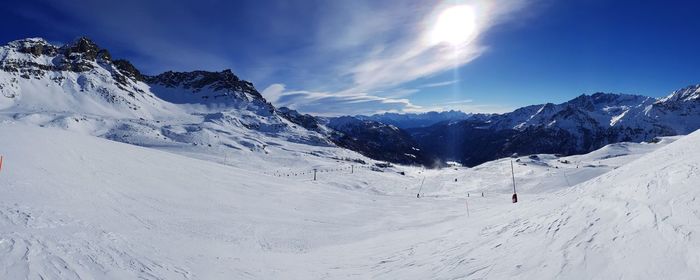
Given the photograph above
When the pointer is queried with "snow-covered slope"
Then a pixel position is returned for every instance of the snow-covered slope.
(80, 87)
(242, 202)
(635, 222)
(78, 77)
(80, 207)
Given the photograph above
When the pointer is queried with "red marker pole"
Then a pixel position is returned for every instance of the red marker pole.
(512, 172)
(0, 163)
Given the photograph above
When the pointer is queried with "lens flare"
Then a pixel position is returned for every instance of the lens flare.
(455, 25)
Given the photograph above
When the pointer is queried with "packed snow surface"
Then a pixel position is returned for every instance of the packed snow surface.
(74, 206)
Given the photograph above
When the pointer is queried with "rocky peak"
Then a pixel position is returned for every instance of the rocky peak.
(602, 97)
(34, 46)
(198, 80)
(583, 101)
(78, 55)
(82, 45)
(128, 69)
(691, 93)
(87, 49)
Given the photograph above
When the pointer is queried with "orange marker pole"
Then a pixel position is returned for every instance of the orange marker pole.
(0, 163)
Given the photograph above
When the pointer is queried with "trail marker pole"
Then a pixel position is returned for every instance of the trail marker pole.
(352, 169)
(0, 163)
(314, 174)
(566, 177)
(421, 188)
(466, 202)
(512, 172)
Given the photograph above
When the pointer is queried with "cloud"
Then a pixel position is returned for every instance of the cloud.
(377, 49)
(440, 84)
(330, 104)
(411, 54)
(359, 53)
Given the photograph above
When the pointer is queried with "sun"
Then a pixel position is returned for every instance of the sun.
(455, 25)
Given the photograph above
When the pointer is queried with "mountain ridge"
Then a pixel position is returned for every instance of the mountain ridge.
(55, 85)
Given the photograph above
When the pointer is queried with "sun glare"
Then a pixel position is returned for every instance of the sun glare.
(455, 25)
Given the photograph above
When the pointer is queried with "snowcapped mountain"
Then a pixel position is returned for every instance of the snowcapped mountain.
(77, 77)
(214, 89)
(79, 86)
(580, 125)
(412, 120)
(676, 114)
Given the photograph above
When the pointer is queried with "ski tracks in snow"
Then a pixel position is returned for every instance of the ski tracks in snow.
(43, 245)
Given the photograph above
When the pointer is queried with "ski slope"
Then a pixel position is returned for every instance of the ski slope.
(74, 206)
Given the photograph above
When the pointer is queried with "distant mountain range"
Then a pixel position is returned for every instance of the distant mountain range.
(414, 120)
(79, 86)
(580, 125)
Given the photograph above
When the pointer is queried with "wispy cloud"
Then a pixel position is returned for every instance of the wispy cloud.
(331, 104)
(360, 52)
(384, 48)
(440, 84)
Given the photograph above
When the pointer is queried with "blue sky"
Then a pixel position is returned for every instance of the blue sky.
(365, 56)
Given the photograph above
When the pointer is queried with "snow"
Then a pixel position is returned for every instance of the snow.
(93, 102)
(211, 192)
(74, 206)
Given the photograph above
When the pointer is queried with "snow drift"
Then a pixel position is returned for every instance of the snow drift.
(78, 207)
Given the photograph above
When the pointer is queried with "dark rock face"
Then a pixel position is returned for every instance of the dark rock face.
(197, 80)
(78, 55)
(304, 120)
(82, 45)
(212, 89)
(126, 68)
(37, 48)
(377, 140)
